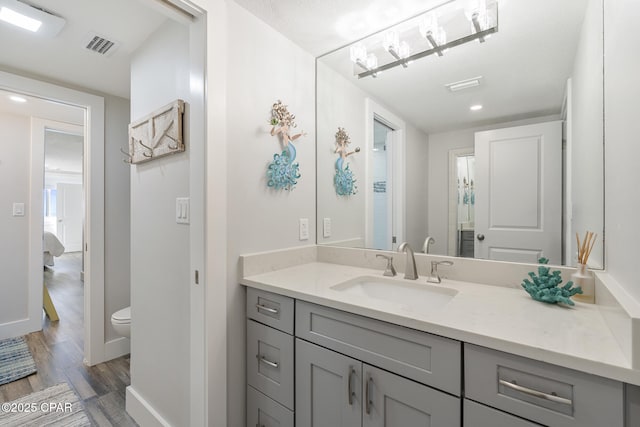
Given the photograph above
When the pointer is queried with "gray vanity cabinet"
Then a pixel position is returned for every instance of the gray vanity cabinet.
(328, 387)
(333, 390)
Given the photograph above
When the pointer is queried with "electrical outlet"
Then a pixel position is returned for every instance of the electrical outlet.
(18, 209)
(304, 228)
(326, 227)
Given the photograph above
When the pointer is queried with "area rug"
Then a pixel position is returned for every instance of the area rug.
(15, 360)
(56, 406)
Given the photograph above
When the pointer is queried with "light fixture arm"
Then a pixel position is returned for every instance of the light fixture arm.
(434, 44)
(476, 26)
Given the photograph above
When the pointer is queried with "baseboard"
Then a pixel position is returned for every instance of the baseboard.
(142, 412)
(18, 328)
(116, 348)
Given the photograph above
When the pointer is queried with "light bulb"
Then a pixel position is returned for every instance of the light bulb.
(358, 53)
(405, 50)
(428, 25)
(391, 40)
(372, 61)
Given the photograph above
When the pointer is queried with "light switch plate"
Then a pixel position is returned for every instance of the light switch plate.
(304, 228)
(18, 209)
(326, 227)
(182, 210)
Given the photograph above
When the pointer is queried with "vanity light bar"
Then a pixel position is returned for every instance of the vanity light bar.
(440, 48)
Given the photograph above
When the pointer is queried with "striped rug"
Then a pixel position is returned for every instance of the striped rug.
(15, 360)
(56, 406)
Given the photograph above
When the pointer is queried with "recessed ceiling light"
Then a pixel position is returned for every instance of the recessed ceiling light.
(30, 18)
(16, 98)
(19, 20)
(475, 107)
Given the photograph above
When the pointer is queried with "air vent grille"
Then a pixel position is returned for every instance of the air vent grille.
(100, 44)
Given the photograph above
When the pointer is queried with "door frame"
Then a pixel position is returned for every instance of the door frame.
(397, 181)
(93, 169)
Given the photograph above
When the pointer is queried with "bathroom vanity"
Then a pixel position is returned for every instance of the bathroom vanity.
(336, 345)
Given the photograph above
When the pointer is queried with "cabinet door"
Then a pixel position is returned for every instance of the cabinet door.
(392, 401)
(328, 388)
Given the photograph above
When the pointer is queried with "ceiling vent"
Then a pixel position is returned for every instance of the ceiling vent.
(100, 44)
(464, 84)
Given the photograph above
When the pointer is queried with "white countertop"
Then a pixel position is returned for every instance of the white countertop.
(491, 316)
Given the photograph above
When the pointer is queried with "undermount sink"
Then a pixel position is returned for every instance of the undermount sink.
(416, 296)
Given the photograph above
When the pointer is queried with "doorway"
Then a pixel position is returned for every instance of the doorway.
(382, 186)
(385, 178)
(92, 114)
(63, 186)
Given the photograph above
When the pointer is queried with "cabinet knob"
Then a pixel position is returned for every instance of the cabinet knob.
(481, 237)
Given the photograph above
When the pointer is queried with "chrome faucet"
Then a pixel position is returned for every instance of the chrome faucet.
(410, 271)
(390, 271)
(428, 241)
(434, 277)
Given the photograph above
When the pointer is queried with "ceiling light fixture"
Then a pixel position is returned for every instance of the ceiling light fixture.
(476, 107)
(19, 99)
(30, 18)
(399, 50)
(368, 62)
(404, 47)
(432, 32)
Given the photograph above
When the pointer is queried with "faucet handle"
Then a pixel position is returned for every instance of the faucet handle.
(434, 277)
(390, 270)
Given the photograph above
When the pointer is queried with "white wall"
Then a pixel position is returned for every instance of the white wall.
(160, 247)
(15, 160)
(341, 103)
(438, 179)
(587, 128)
(263, 66)
(622, 151)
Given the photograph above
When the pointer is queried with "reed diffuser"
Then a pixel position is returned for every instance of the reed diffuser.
(582, 276)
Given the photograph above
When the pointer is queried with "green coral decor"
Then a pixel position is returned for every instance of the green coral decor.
(545, 287)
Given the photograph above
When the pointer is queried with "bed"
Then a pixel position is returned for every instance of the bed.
(51, 247)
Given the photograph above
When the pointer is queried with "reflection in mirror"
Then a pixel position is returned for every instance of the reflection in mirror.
(490, 146)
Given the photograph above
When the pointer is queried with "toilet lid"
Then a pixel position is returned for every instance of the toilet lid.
(122, 316)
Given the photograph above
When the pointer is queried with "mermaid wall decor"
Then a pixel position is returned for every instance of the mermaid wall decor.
(283, 172)
(344, 180)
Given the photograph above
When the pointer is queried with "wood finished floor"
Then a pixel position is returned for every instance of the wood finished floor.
(58, 353)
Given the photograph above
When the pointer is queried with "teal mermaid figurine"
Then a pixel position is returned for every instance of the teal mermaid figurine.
(344, 180)
(283, 172)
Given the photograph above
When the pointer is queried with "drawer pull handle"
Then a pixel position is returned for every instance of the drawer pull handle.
(368, 402)
(267, 309)
(349, 387)
(267, 362)
(536, 393)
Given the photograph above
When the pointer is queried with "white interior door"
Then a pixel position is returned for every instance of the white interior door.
(69, 213)
(519, 193)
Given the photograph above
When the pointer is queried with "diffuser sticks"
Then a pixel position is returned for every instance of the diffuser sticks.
(584, 249)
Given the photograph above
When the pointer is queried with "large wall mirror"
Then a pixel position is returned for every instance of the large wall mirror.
(474, 130)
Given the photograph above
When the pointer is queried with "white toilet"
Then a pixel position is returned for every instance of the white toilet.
(121, 321)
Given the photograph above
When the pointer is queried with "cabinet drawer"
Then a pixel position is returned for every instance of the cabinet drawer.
(270, 362)
(426, 358)
(541, 392)
(265, 412)
(271, 309)
(477, 415)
